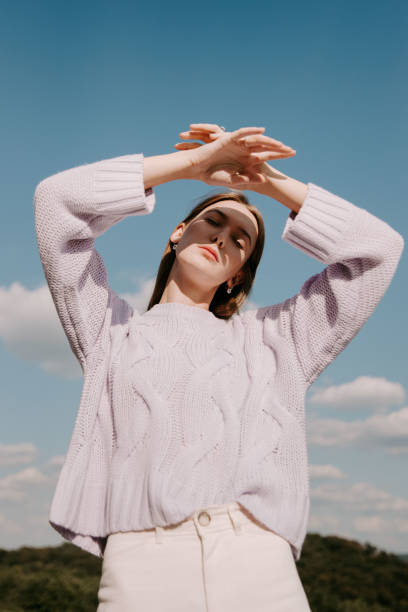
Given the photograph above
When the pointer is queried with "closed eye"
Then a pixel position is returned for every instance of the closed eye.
(212, 222)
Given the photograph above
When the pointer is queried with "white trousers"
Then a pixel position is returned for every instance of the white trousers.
(220, 559)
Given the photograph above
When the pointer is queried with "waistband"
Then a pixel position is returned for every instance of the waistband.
(216, 509)
(201, 522)
(217, 517)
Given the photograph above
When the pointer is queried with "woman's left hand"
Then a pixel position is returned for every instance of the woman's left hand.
(232, 159)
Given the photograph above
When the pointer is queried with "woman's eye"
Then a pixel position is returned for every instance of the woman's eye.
(215, 223)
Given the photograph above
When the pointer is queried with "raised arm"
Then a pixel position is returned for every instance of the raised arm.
(362, 253)
(72, 208)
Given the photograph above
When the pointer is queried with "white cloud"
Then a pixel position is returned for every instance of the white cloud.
(378, 525)
(353, 511)
(365, 391)
(361, 496)
(389, 431)
(331, 432)
(31, 330)
(13, 487)
(30, 327)
(330, 472)
(12, 454)
(57, 460)
(370, 524)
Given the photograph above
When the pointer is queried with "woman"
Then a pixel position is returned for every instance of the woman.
(187, 468)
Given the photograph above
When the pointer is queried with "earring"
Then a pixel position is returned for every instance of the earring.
(229, 289)
(174, 246)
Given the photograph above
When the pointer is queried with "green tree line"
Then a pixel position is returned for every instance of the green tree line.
(338, 575)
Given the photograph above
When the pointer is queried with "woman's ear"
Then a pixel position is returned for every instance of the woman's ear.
(177, 233)
(238, 278)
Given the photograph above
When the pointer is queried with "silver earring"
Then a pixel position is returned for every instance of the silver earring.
(174, 246)
(229, 289)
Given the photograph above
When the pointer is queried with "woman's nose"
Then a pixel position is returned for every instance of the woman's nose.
(219, 237)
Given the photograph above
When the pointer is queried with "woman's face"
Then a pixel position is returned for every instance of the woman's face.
(230, 229)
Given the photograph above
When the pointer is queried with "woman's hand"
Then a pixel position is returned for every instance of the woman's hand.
(232, 159)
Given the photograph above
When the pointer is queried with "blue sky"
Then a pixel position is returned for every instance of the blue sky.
(85, 81)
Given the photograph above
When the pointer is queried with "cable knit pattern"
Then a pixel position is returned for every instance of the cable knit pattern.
(179, 409)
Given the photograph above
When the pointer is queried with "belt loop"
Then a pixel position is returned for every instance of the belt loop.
(194, 518)
(235, 522)
(159, 535)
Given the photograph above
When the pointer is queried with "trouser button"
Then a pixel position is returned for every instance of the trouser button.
(204, 518)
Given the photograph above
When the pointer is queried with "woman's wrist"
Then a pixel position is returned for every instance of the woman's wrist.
(159, 169)
(288, 191)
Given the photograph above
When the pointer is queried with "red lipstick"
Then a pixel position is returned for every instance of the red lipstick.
(211, 250)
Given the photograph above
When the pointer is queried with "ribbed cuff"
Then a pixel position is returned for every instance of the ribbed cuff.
(119, 188)
(320, 225)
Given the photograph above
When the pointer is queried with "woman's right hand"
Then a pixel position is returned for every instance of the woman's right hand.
(232, 159)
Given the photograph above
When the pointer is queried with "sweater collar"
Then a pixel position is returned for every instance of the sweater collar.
(183, 311)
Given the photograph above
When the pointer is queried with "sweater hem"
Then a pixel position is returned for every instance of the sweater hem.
(121, 505)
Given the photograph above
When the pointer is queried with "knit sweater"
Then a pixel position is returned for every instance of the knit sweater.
(181, 409)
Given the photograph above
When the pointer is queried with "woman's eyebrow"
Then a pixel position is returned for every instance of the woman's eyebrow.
(224, 216)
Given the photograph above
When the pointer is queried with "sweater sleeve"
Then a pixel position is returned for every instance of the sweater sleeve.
(362, 253)
(72, 208)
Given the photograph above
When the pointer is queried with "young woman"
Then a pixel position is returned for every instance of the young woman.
(187, 468)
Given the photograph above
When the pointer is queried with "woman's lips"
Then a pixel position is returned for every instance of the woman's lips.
(209, 252)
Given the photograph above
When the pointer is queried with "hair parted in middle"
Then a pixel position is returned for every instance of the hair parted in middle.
(223, 304)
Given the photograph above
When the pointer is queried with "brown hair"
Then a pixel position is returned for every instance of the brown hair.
(223, 304)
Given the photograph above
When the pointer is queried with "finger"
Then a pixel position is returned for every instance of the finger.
(195, 136)
(246, 131)
(236, 135)
(261, 157)
(262, 138)
(187, 145)
(215, 135)
(266, 141)
(208, 127)
(262, 148)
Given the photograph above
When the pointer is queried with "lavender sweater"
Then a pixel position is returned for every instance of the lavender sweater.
(179, 409)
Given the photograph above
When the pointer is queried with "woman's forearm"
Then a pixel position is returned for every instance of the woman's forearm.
(288, 191)
(158, 169)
